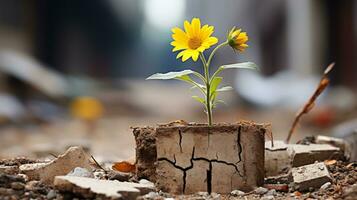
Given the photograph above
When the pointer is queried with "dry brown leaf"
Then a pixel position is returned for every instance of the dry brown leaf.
(124, 166)
(330, 162)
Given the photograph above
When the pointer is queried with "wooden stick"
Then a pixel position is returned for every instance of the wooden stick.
(311, 103)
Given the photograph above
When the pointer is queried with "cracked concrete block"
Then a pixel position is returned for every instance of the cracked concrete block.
(63, 164)
(145, 152)
(102, 189)
(307, 154)
(313, 175)
(220, 158)
(277, 158)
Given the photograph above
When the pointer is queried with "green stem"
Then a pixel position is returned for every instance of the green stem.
(214, 51)
(208, 87)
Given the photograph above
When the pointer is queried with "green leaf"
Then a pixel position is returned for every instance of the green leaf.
(199, 99)
(225, 88)
(244, 65)
(214, 84)
(169, 75)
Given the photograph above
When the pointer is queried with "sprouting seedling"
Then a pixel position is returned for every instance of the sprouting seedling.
(192, 42)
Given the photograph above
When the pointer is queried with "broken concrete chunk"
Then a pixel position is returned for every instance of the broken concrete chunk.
(307, 154)
(94, 188)
(73, 157)
(218, 159)
(313, 175)
(277, 158)
(282, 157)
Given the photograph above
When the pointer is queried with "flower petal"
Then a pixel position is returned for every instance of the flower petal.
(188, 28)
(196, 26)
(195, 55)
(186, 55)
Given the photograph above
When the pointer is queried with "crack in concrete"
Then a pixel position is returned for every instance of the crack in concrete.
(209, 172)
(239, 144)
(180, 140)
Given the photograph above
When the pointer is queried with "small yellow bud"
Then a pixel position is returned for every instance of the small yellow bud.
(237, 39)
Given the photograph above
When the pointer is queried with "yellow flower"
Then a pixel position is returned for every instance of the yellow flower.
(237, 39)
(86, 108)
(194, 40)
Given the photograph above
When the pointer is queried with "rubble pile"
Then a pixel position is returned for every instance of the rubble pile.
(74, 175)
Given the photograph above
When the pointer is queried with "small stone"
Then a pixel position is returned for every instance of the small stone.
(202, 194)
(151, 195)
(267, 197)
(24, 176)
(3, 191)
(165, 194)
(351, 181)
(144, 181)
(271, 192)
(237, 193)
(51, 194)
(326, 185)
(36, 186)
(17, 185)
(81, 172)
(101, 175)
(215, 196)
(261, 190)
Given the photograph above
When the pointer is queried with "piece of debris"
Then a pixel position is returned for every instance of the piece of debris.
(282, 157)
(119, 176)
(237, 193)
(326, 185)
(261, 190)
(277, 158)
(310, 176)
(308, 154)
(73, 157)
(93, 188)
(344, 146)
(81, 172)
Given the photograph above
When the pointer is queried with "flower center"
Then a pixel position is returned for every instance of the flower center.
(194, 43)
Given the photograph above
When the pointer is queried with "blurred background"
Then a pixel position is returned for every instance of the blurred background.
(72, 72)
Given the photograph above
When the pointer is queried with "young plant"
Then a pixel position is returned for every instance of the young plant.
(192, 42)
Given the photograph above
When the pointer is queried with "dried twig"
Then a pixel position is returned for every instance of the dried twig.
(310, 104)
(95, 161)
